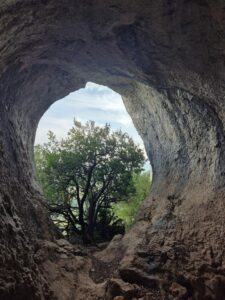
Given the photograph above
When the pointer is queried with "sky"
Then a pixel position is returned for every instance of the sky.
(94, 102)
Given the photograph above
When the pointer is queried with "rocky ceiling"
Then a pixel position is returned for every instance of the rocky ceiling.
(167, 60)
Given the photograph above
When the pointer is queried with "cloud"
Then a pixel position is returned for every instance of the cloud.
(96, 96)
(59, 126)
(93, 87)
(95, 102)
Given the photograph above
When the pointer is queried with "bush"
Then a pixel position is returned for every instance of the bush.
(128, 210)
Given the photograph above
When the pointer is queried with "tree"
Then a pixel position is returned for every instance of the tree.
(85, 173)
(127, 210)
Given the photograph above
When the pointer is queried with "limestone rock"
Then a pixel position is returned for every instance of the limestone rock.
(118, 298)
(166, 59)
(178, 291)
(118, 289)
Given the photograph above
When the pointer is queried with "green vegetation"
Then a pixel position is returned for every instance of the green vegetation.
(127, 210)
(84, 175)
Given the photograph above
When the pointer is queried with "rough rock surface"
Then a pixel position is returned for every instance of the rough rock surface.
(167, 60)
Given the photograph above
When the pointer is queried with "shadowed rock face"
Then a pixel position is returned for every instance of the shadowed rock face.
(166, 59)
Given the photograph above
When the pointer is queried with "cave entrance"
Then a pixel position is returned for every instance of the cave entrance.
(102, 105)
(94, 102)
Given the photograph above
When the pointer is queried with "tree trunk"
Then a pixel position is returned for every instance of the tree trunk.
(89, 229)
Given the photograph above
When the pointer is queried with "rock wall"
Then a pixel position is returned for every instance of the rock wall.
(166, 59)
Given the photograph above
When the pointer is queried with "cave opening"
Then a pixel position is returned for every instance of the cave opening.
(166, 59)
(100, 106)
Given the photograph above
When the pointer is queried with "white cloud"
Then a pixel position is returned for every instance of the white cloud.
(59, 126)
(95, 102)
(105, 102)
(97, 87)
(96, 96)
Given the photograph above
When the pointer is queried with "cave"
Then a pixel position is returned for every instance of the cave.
(166, 60)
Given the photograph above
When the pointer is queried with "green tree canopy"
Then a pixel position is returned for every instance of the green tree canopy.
(83, 174)
(127, 210)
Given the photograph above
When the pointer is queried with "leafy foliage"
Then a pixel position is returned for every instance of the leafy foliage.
(128, 210)
(84, 174)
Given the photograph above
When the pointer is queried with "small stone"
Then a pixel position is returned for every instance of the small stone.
(62, 242)
(118, 288)
(148, 296)
(178, 291)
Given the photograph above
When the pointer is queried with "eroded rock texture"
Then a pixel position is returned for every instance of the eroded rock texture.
(166, 58)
